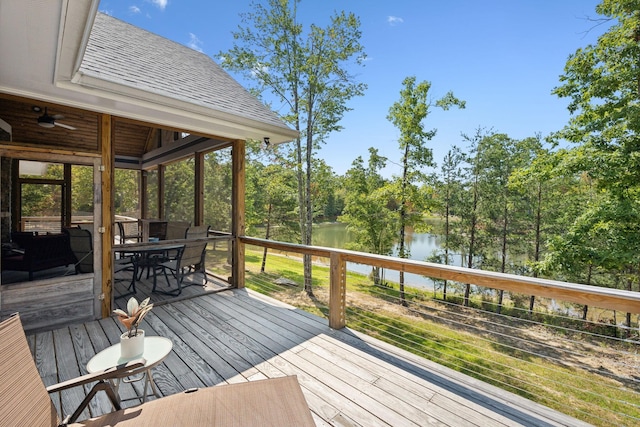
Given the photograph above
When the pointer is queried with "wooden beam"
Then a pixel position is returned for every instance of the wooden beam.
(49, 154)
(237, 211)
(152, 137)
(337, 292)
(67, 210)
(596, 296)
(160, 212)
(16, 215)
(198, 217)
(144, 197)
(108, 213)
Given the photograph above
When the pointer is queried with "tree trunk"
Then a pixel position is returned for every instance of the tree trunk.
(403, 215)
(266, 236)
(375, 273)
(585, 309)
(472, 239)
(301, 198)
(536, 253)
(308, 280)
(446, 240)
(627, 333)
(503, 267)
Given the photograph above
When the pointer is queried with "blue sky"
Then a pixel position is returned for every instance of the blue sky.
(503, 57)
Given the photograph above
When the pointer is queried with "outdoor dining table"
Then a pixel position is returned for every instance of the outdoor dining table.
(145, 255)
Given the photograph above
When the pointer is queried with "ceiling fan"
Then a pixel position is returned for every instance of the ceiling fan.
(47, 121)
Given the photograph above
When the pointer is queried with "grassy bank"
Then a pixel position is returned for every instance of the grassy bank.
(588, 396)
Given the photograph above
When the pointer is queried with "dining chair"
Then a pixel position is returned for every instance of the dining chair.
(190, 260)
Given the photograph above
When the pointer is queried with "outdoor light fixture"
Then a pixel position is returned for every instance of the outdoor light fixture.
(266, 141)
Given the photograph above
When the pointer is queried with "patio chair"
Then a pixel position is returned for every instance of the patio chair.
(190, 260)
(176, 229)
(25, 401)
(81, 244)
(198, 232)
(129, 232)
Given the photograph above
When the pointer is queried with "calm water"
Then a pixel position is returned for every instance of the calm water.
(421, 246)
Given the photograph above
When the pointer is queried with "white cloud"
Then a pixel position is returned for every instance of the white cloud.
(162, 4)
(194, 42)
(394, 20)
(134, 9)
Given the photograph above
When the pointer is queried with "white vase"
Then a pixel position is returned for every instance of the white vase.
(131, 347)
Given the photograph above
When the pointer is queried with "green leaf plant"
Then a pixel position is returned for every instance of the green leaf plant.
(133, 316)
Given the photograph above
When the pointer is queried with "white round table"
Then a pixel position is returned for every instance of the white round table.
(156, 349)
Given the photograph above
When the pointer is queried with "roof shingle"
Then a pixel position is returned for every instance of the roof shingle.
(130, 56)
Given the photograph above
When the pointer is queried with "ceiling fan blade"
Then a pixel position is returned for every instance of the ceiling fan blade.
(62, 125)
(57, 116)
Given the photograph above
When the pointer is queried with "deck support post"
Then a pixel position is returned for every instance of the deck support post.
(237, 212)
(199, 190)
(337, 291)
(108, 212)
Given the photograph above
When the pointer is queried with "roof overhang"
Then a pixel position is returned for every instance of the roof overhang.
(42, 44)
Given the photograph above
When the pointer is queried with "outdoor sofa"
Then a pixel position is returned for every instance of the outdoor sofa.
(37, 252)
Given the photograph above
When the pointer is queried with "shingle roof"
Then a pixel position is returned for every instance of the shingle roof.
(127, 55)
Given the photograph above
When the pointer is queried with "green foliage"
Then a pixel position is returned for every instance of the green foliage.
(307, 74)
(126, 192)
(602, 83)
(217, 189)
(368, 207)
(408, 115)
(81, 189)
(179, 187)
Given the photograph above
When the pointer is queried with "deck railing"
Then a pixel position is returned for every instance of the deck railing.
(581, 362)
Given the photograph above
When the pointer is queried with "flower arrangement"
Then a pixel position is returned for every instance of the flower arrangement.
(134, 315)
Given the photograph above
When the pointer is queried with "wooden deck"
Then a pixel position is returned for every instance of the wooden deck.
(193, 285)
(347, 379)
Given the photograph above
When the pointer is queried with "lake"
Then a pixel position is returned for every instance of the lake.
(421, 246)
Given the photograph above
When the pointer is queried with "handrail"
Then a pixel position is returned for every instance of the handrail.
(614, 299)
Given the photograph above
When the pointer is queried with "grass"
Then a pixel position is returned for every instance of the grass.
(591, 397)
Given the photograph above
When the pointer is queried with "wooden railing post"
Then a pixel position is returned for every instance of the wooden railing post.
(237, 211)
(337, 292)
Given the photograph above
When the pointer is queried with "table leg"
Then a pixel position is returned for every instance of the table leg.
(146, 382)
(149, 381)
(154, 388)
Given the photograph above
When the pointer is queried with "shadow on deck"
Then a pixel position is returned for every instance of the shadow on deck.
(347, 378)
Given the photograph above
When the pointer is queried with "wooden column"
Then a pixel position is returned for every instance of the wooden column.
(337, 291)
(144, 199)
(237, 212)
(66, 217)
(160, 213)
(198, 218)
(107, 210)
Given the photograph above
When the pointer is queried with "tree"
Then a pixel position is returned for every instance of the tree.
(126, 191)
(602, 82)
(277, 184)
(408, 114)
(179, 189)
(367, 210)
(308, 74)
(448, 189)
(469, 215)
(218, 177)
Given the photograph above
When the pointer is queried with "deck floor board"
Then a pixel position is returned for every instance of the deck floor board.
(348, 379)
